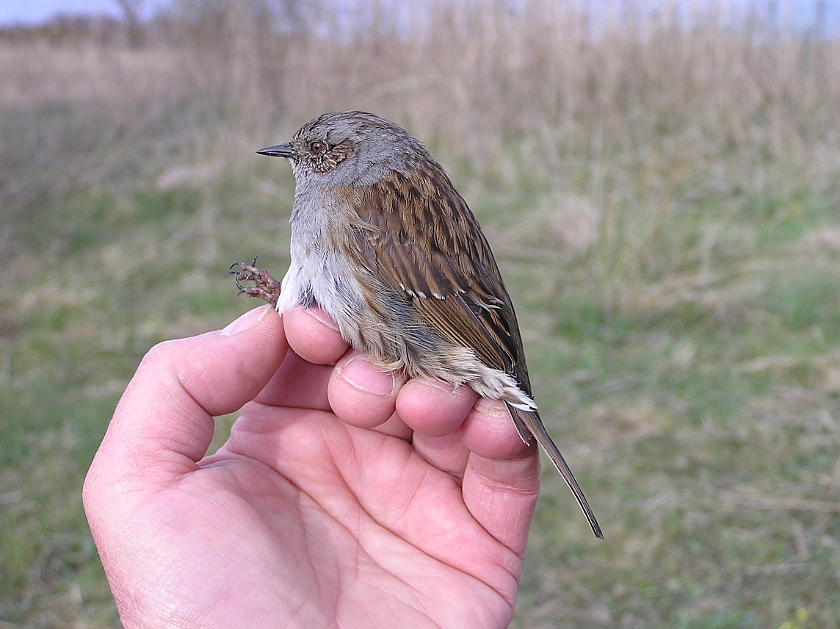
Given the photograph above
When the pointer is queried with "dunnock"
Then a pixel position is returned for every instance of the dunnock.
(386, 246)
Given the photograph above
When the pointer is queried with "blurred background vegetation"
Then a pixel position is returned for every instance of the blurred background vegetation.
(661, 190)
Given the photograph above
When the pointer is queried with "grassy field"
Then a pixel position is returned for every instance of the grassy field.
(664, 202)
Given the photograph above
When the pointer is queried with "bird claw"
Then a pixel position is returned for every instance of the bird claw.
(265, 286)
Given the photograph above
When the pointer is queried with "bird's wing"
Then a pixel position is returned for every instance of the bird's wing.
(420, 238)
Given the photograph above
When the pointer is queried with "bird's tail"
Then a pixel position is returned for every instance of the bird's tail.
(528, 423)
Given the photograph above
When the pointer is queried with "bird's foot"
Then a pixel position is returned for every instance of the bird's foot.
(265, 286)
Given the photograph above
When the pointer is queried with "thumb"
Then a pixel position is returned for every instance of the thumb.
(164, 422)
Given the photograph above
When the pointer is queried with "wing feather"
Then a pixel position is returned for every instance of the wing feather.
(451, 280)
(449, 273)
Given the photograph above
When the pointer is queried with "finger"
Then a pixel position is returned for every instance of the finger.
(447, 453)
(436, 411)
(395, 427)
(434, 408)
(298, 384)
(362, 395)
(502, 477)
(488, 431)
(163, 423)
(313, 335)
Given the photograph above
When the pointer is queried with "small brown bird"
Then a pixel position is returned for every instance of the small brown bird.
(386, 246)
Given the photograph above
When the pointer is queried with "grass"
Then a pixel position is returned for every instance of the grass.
(663, 203)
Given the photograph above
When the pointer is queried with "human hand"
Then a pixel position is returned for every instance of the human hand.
(325, 507)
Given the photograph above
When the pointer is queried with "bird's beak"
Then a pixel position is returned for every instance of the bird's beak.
(279, 150)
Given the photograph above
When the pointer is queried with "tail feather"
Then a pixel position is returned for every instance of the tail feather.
(529, 423)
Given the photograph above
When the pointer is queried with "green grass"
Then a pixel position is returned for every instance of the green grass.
(682, 410)
(668, 415)
(681, 323)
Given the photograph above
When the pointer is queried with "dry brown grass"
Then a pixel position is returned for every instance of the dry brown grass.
(631, 119)
(490, 85)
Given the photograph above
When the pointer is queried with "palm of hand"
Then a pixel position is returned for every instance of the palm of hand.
(379, 537)
(303, 519)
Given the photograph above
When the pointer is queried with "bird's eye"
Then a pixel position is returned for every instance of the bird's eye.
(317, 147)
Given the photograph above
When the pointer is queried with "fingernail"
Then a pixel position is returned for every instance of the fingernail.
(361, 374)
(439, 385)
(323, 317)
(492, 408)
(246, 321)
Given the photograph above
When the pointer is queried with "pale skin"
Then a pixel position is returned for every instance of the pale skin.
(345, 497)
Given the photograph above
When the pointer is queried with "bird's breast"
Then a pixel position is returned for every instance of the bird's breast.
(319, 273)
